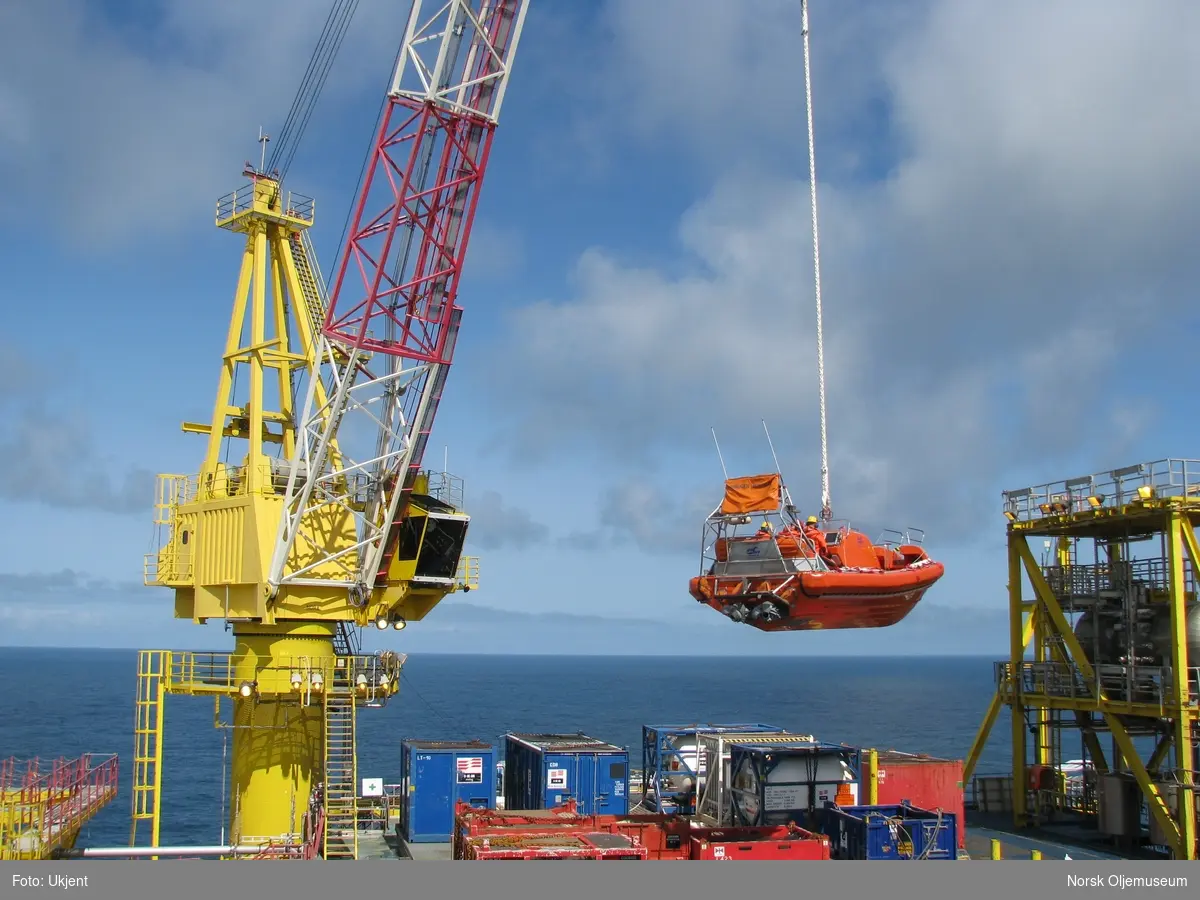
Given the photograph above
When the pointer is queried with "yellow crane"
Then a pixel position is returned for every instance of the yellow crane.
(309, 520)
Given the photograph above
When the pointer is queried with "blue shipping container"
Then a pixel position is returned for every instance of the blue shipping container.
(669, 754)
(435, 775)
(546, 770)
(890, 832)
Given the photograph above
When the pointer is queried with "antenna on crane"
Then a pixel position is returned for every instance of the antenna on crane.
(826, 503)
(262, 140)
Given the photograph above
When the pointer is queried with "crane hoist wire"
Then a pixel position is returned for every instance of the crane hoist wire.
(330, 41)
(826, 502)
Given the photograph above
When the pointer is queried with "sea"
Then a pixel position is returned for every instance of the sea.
(71, 701)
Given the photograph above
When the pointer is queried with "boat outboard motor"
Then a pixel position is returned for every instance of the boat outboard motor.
(738, 612)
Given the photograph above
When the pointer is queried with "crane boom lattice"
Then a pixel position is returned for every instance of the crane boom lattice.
(392, 322)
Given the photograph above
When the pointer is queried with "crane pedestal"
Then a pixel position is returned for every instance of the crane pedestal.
(277, 744)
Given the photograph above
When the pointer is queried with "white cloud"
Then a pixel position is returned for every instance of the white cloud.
(978, 292)
(106, 126)
(495, 525)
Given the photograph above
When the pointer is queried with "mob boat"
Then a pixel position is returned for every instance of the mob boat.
(783, 575)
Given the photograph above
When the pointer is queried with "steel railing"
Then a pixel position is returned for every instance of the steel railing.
(1142, 481)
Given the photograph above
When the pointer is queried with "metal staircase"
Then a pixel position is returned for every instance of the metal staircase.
(341, 771)
(312, 285)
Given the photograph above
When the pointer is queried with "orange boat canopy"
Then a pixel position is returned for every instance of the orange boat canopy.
(752, 494)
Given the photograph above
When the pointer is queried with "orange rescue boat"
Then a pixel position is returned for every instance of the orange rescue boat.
(788, 576)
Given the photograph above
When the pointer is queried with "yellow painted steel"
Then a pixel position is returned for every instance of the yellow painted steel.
(216, 531)
(149, 712)
(1060, 681)
(277, 744)
(43, 810)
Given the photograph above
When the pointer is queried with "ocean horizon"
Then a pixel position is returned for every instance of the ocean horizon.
(68, 701)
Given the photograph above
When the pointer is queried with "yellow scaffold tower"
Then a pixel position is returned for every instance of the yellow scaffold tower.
(295, 677)
(1106, 642)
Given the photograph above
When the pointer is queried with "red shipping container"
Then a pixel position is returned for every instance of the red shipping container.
(558, 845)
(663, 836)
(924, 781)
(779, 843)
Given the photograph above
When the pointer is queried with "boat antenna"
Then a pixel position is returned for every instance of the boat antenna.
(826, 503)
(787, 495)
(771, 444)
(719, 456)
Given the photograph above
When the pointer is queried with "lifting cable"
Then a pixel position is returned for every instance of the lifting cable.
(319, 64)
(826, 503)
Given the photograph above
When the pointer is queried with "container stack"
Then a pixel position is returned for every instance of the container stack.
(710, 791)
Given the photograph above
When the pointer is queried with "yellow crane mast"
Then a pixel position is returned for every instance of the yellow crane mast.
(295, 596)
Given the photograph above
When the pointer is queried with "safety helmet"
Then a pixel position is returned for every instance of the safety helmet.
(765, 526)
(812, 520)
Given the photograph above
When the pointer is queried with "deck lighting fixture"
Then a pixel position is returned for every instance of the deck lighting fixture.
(384, 681)
(400, 623)
(382, 623)
(247, 688)
(316, 680)
(1045, 508)
(361, 682)
(1145, 492)
(1096, 500)
(1010, 515)
(297, 680)
(1059, 507)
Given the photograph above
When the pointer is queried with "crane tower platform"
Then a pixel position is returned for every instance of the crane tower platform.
(1106, 642)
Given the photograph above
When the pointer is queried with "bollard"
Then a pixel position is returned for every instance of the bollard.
(996, 849)
(1035, 854)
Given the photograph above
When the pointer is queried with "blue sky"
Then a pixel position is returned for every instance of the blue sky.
(1009, 202)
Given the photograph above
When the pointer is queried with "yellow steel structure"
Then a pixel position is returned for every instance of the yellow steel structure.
(1121, 559)
(217, 531)
(42, 809)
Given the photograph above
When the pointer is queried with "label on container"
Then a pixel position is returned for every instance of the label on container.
(785, 796)
(556, 778)
(881, 776)
(470, 769)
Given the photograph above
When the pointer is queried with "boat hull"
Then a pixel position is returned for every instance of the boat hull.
(819, 601)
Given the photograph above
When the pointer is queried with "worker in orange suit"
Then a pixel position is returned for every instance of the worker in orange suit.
(764, 531)
(813, 532)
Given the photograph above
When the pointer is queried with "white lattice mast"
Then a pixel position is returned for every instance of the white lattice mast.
(826, 501)
(389, 335)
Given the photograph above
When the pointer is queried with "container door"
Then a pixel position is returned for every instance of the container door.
(609, 775)
(430, 805)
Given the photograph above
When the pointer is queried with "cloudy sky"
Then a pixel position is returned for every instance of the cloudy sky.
(1010, 195)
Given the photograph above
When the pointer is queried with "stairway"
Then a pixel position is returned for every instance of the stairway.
(312, 285)
(341, 772)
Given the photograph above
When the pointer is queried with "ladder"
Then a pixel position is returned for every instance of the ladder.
(346, 640)
(341, 771)
(311, 283)
(147, 741)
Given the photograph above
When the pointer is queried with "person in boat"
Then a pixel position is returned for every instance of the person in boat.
(813, 532)
(765, 531)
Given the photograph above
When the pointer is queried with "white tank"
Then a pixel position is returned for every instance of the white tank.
(688, 767)
(798, 783)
